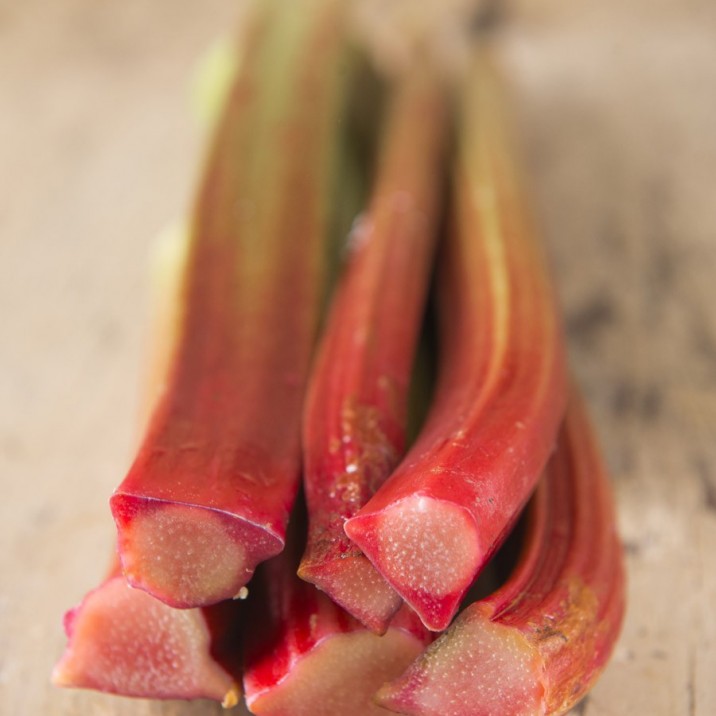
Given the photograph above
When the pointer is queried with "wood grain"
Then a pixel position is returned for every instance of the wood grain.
(98, 151)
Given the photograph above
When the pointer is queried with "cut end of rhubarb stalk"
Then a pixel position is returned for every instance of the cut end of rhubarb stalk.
(426, 549)
(152, 651)
(354, 584)
(340, 677)
(185, 555)
(477, 669)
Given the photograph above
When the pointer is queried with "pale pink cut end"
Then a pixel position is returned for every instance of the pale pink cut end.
(478, 668)
(427, 550)
(356, 585)
(123, 641)
(340, 677)
(189, 556)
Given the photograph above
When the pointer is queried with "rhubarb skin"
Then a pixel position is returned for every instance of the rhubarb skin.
(210, 490)
(536, 645)
(307, 657)
(501, 390)
(355, 420)
(123, 641)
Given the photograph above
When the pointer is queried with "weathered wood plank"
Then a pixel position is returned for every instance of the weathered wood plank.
(98, 151)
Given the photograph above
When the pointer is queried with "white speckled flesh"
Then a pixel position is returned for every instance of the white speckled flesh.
(124, 641)
(354, 584)
(340, 677)
(478, 668)
(184, 555)
(427, 545)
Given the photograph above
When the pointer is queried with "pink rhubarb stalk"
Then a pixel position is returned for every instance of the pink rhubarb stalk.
(307, 657)
(123, 641)
(354, 429)
(536, 645)
(210, 491)
(501, 388)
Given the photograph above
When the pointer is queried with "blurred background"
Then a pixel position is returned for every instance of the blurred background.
(99, 151)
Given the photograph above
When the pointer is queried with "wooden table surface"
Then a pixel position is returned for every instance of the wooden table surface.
(98, 151)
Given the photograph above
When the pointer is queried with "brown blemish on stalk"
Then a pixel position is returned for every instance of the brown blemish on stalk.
(563, 636)
(549, 632)
(323, 545)
(369, 455)
(368, 458)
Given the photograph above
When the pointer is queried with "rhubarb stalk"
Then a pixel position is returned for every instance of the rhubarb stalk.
(307, 657)
(354, 426)
(124, 641)
(501, 384)
(536, 645)
(209, 493)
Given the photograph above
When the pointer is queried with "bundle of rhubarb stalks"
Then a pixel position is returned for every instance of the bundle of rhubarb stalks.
(358, 392)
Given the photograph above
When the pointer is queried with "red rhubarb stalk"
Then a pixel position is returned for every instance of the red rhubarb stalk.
(209, 493)
(124, 641)
(354, 428)
(307, 657)
(501, 386)
(536, 645)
